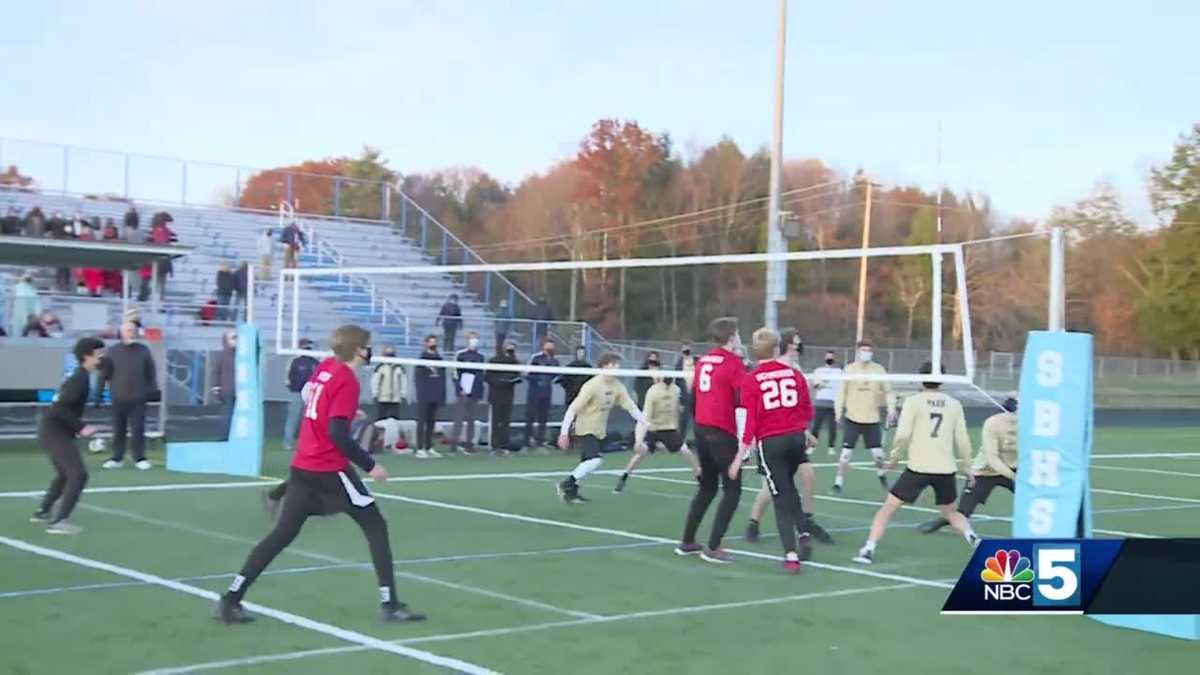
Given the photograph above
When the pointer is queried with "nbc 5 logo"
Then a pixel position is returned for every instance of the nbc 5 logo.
(1053, 582)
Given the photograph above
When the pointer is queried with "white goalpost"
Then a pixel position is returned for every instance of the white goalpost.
(287, 340)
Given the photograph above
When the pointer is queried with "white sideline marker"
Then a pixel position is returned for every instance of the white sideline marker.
(365, 641)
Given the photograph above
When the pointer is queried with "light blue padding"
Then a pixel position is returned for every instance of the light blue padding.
(241, 454)
(1054, 428)
(1186, 626)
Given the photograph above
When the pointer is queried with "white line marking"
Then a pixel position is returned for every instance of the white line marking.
(1145, 455)
(1164, 472)
(528, 628)
(166, 487)
(1142, 495)
(365, 641)
(646, 537)
(924, 509)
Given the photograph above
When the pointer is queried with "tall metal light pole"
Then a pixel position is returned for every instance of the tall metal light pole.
(776, 282)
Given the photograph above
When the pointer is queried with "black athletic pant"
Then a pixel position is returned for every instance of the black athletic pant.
(537, 412)
(276, 493)
(973, 497)
(716, 450)
(824, 418)
(296, 508)
(426, 420)
(501, 423)
(780, 457)
(129, 419)
(386, 410)
(70, 475)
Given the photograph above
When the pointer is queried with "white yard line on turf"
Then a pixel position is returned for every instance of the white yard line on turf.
(528, 628)
(924, 509)
(1130, 469)
(647, 537)
(364, 641)
(1145, 455)
(165, 487)
(313, 555)
(1143, 495)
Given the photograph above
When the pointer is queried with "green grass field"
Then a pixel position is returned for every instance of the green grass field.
(517, 582)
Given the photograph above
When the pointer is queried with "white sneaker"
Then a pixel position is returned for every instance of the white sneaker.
(64, 527)
(421, 454)
(865, 556)
(144, 465)
(434, 454)
(112, 464)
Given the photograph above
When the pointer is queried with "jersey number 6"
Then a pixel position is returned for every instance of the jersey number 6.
(779, 393)
(704, 381)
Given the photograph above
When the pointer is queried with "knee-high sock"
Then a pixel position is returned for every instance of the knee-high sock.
(585, 467)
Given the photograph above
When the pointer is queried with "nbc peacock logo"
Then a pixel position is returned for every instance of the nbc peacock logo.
(1007, 575)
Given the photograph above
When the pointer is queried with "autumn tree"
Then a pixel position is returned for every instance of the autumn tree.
(312, 185)
(12, 178)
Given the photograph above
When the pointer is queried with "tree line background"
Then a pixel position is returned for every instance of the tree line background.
(630, 192)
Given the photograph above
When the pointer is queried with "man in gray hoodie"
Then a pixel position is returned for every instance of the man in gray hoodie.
(128, 370)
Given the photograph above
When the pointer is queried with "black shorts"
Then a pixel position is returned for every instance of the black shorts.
(911, 484)
(716, 448)
(872, 434)
(589, 446)
(972, 497)
(671, 439)
(325, 493)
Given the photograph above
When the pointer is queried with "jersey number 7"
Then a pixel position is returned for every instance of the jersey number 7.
(936, 420)
(779, 394)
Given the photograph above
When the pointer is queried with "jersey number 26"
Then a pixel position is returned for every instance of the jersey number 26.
(779, 394)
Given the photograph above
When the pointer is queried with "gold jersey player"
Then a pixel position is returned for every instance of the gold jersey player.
(662, 410)
(858, 403)
(995, 466)
(321, 481)
(588, 414)
(933, 433)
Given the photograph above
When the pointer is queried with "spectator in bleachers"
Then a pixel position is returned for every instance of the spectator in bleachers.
(266, 254)
(226, 284)
(224, 380)
(504, 318)
(300, 370)
(45, 324)
(571, 384)
(131, 219)
(468, 388)
(450, 319)
(26, 305)
(161, 234)
(35, 223)
(110, 231)
(11, 224)
(78, 227)
(500, 396)
(242, 284)
(538, 395)
(543, 314)
(293, 240)
(59, 227)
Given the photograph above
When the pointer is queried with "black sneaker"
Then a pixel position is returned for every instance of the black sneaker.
(230, 612)
(933, 525)
(752, 531)
(819, 533)
(399, 612)
(621, 483)
(576, 498)
(567, 489)
(883, 482)
(40, 517)
(836, 489)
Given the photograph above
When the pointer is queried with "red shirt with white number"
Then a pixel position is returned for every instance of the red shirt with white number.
(718, 375)
(332, 392)
(776, 399)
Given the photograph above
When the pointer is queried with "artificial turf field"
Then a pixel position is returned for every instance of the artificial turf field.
(515, 581)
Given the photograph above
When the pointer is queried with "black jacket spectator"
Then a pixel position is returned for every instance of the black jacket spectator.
(224, 373)
(540, 383)
(542, 311)
(571, 384)
(501, 384)
(58, 227)
(11, 224)
(132, 219)
(35, 223)
(242, 280)
(470, 356)
(226, 283)
(431, 382)
(300, 371)
(128, 369)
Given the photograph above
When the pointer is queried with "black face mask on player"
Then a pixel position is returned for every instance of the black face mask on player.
(1010, 404)
(367, 357)
(829, 362)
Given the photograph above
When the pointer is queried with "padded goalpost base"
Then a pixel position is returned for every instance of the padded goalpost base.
(241, 453)
(1185, 626)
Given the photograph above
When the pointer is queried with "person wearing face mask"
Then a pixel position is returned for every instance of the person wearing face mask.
(995, 465)
(389, 386)
(431, 394)
(662, 410)
(687, 363)
(858, 403)
(468, 390)
(642, 384)
(537, 396)
(321, 481)
(224, 381)
(571, 384)
(826, 380)
(588, 415)
(500, 395)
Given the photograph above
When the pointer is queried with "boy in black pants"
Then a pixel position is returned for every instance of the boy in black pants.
(56, 434)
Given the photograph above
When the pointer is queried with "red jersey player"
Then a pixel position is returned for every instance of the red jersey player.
(718, 377)
(322, 482)
(778, 412)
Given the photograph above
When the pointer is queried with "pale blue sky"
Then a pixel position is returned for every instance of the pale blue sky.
(1037, 100)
